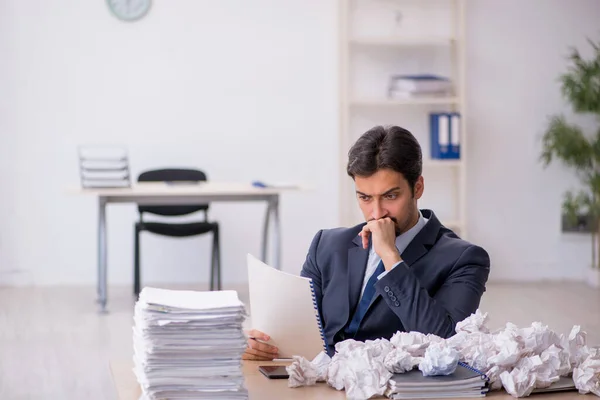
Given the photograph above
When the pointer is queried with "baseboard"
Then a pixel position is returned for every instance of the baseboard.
(16, 278)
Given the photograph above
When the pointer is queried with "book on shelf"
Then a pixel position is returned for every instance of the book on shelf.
(407, 86)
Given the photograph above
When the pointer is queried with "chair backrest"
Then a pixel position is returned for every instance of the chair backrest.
(172, 175)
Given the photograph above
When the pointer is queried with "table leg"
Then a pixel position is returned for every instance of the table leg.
(102, 251)
(265, 236)
(277, 232)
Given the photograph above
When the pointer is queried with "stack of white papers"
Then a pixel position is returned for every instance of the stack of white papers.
(189, 345)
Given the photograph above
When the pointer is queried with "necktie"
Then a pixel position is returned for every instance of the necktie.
(365, 301)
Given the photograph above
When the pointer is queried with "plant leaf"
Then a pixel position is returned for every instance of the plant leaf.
(567, 143)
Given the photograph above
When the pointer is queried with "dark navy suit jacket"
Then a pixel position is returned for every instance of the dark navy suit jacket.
(439, 283)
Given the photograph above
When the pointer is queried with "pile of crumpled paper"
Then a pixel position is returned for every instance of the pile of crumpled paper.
(517, 359)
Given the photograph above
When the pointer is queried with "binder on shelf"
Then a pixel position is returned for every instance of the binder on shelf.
(445, 135)
(455, 123)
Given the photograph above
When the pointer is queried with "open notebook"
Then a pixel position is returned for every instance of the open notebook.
(283, 306)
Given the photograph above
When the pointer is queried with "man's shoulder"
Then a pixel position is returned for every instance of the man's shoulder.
(451, 244)
(342, 235)
(333, 239)
(328, 242)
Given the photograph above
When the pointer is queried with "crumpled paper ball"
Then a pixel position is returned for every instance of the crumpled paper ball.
(306, 373)
(359, 369)
(558, 359)
(587, 375)
(414, 343)
(474, 323)
(575, 343)
(538, 337)
(518, 382)
(509, 347)
(301, 372)
(399, 361)
(439, 359)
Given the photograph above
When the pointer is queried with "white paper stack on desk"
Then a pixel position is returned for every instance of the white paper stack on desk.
(189, 345)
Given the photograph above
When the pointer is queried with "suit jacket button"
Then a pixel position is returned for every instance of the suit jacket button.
(392, 298)
(390, 293)
(396, 304)
(386, 289)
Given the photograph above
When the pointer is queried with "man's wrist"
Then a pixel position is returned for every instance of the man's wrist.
(391, 259)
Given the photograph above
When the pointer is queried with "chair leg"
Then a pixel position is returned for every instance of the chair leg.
(136, 264)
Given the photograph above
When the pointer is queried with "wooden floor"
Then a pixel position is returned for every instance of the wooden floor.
(54, 344)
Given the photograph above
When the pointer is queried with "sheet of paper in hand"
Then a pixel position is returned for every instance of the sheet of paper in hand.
(282, 305)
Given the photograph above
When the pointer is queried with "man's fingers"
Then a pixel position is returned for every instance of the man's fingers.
(261, 354)
(252, 357)
(365, 240)
(364, 234)
(258, 335)
(263, 347)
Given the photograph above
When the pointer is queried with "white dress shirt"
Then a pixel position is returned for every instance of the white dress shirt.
(402, 242)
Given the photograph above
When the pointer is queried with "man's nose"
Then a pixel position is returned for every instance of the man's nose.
(378, 212)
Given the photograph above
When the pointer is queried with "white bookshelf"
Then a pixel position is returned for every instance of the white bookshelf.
(401, 42)
(377, 39)
(404, 102)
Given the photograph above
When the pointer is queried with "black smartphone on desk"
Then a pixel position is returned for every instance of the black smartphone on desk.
(274, 372)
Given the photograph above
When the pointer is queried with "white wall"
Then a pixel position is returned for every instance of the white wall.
(247, 90)
(515, 53)
(243, 90)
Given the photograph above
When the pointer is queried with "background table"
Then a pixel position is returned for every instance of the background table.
(159, 193)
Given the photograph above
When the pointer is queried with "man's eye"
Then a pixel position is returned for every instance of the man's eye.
(391, 196)
(364, 198)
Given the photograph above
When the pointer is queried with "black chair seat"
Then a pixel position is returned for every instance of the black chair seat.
(178, 230)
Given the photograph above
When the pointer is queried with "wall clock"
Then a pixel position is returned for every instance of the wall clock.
(129, 10)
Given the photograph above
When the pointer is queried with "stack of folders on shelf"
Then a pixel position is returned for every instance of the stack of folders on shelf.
(465, 382)
(445, 135)
(189, 345)
(409, 86)
(104, 167)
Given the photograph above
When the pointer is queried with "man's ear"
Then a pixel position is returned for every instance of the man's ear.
(419, 188)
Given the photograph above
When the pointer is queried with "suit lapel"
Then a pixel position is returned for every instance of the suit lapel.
(424, 240)
(357, 265)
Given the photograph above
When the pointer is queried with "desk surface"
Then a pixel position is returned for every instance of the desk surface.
(187, 189)
(261, 388)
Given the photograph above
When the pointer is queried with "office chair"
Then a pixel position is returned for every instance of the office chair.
(177, 229)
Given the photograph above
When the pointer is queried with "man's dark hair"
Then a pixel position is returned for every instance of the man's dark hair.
(386, 147)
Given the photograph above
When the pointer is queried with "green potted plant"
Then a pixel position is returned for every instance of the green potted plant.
(577, 149)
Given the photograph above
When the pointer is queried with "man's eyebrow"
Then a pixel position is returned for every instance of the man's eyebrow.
(388, 192)
(391, 190)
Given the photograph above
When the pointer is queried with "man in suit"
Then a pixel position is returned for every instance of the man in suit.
(401, 270)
